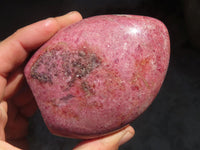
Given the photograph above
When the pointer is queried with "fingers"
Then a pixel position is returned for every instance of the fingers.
(18, 90)
(14, 82)
(3, 83)
(111, 142)
(74, 17)
(23, 99)
(14, 50)
(3, 119)
(6, 146)
(19, 143)
(17, 125)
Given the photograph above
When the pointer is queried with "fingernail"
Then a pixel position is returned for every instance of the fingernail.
(126, 137)
(71, 13)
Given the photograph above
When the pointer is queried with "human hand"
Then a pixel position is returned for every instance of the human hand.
(16, 100)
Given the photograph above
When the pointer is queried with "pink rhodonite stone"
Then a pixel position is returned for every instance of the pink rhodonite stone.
(99, 74)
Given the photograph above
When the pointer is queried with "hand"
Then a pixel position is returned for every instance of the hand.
(16, 100)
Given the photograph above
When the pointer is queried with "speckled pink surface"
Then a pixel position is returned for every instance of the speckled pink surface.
(99, 74)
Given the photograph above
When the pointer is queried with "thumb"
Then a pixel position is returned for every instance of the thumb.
(110, 142)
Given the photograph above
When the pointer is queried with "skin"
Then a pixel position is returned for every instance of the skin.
(17, 103)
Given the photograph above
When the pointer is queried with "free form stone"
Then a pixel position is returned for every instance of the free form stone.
(96, 76)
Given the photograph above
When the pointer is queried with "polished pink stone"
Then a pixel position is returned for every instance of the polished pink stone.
(97, 75)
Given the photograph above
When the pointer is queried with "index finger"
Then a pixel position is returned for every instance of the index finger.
(15, 49)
